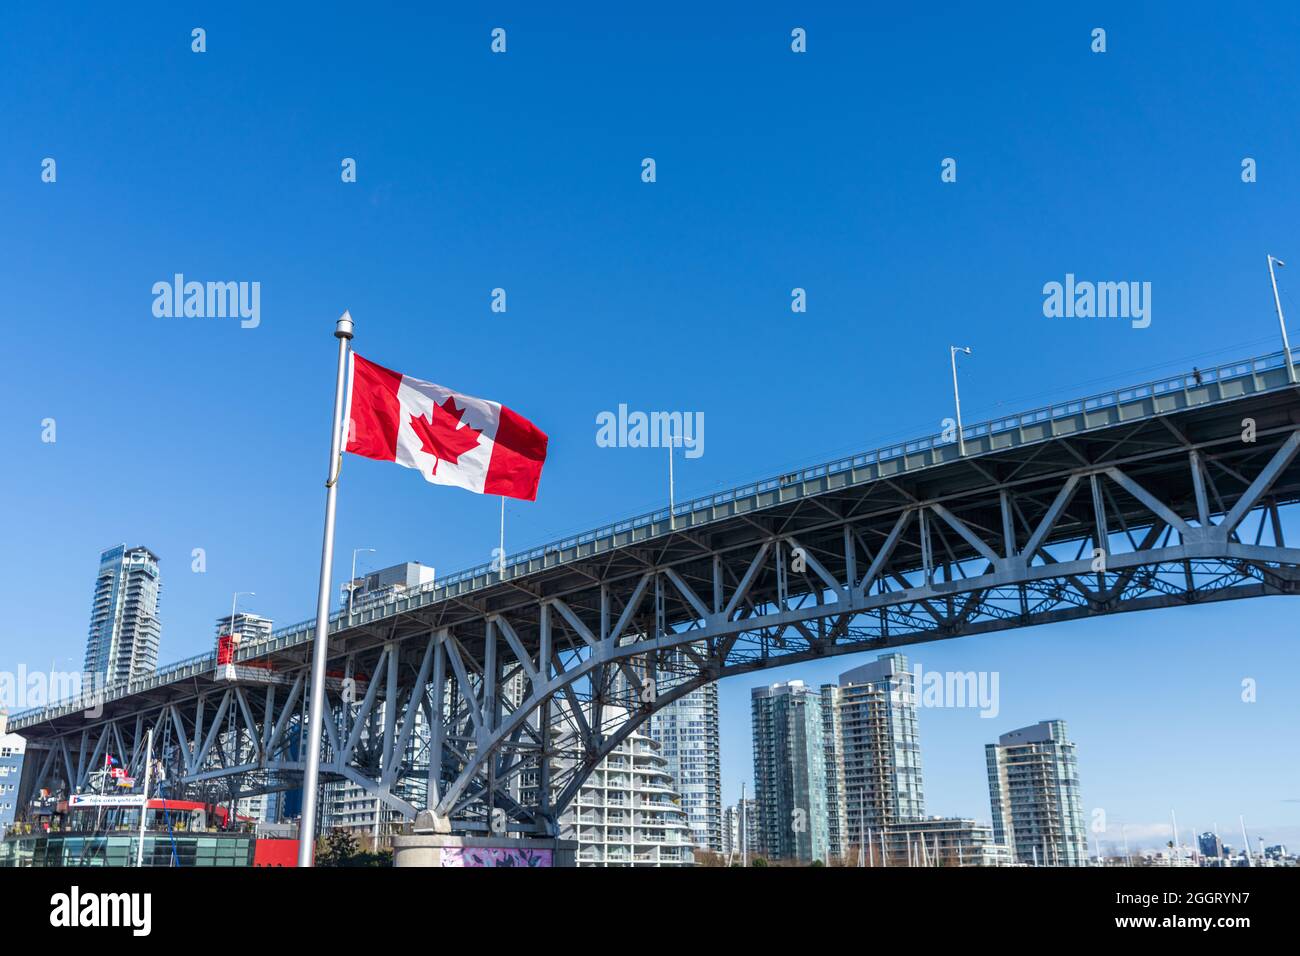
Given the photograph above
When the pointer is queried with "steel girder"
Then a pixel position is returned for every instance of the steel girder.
(503, 705)
(602, 662)
(244, 736)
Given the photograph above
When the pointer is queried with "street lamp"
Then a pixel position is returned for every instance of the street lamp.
(1286, 345)
(952, 354)
(672, 505)
(352, 581)
(233, 601)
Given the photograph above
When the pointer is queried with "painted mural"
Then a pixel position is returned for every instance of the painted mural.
(495, 856)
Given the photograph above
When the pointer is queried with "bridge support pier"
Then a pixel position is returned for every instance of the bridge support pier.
(445, 850)
(427, 821)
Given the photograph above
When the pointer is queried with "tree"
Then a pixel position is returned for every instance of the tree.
(338, 848)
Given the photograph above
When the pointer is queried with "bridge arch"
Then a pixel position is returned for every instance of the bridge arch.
(503, 690)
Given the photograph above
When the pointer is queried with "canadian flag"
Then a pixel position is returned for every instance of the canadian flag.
(450, 438)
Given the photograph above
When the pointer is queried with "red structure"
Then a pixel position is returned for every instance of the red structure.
(226, 645)
(275, 853)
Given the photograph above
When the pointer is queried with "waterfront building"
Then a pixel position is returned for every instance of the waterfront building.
(789, 773)
(879, 746)
(627, 811)
(832, 740)
(1210, 845)
(689, 741)
(1033, 778)
(741, 813)
(936, 841)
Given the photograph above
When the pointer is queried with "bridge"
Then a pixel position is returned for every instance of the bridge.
(489, 696)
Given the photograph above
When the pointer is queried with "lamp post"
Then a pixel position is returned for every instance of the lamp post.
(1286, 345)
(233, 601)
(952, 354)
(352, 581)
(672, 508)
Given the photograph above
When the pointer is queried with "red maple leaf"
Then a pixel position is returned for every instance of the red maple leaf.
(441, 434)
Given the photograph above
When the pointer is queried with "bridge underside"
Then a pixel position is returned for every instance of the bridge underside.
(492, 708)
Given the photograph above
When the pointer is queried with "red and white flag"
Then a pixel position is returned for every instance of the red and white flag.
(451, 439)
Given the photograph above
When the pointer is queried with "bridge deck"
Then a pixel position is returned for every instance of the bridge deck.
(1146, 427)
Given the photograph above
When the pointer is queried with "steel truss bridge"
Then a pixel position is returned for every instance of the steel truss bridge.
(489, 697)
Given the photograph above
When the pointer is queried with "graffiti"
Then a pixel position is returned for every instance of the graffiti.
(494, 856)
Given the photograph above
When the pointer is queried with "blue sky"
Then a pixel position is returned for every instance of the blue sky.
(522, 171)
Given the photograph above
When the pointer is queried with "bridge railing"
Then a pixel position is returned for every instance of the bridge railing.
(94, 697)
(380, 607)
(523, 562)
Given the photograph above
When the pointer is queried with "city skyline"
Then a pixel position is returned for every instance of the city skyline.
(1150, 832)
(521, 184)
(954, 741)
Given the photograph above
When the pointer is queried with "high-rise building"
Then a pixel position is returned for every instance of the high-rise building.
(12, 750)
(832, 739)
(124, 626)
(385, 583)
(1210, 844)
(627, 811)
(740, 814)
(247, 627)
(1034, 795)
(879, 748)
(731, 829)
(689, 741)
(790, 772)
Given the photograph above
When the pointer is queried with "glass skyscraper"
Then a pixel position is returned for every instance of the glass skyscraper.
(790, 773)
(124, 626)
(688, 737)
(1034, 794)
(838, 837)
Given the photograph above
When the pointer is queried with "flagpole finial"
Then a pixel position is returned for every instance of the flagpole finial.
(343, 328)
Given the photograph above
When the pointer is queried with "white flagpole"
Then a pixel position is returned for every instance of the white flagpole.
(320, 649)
(501, 551)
